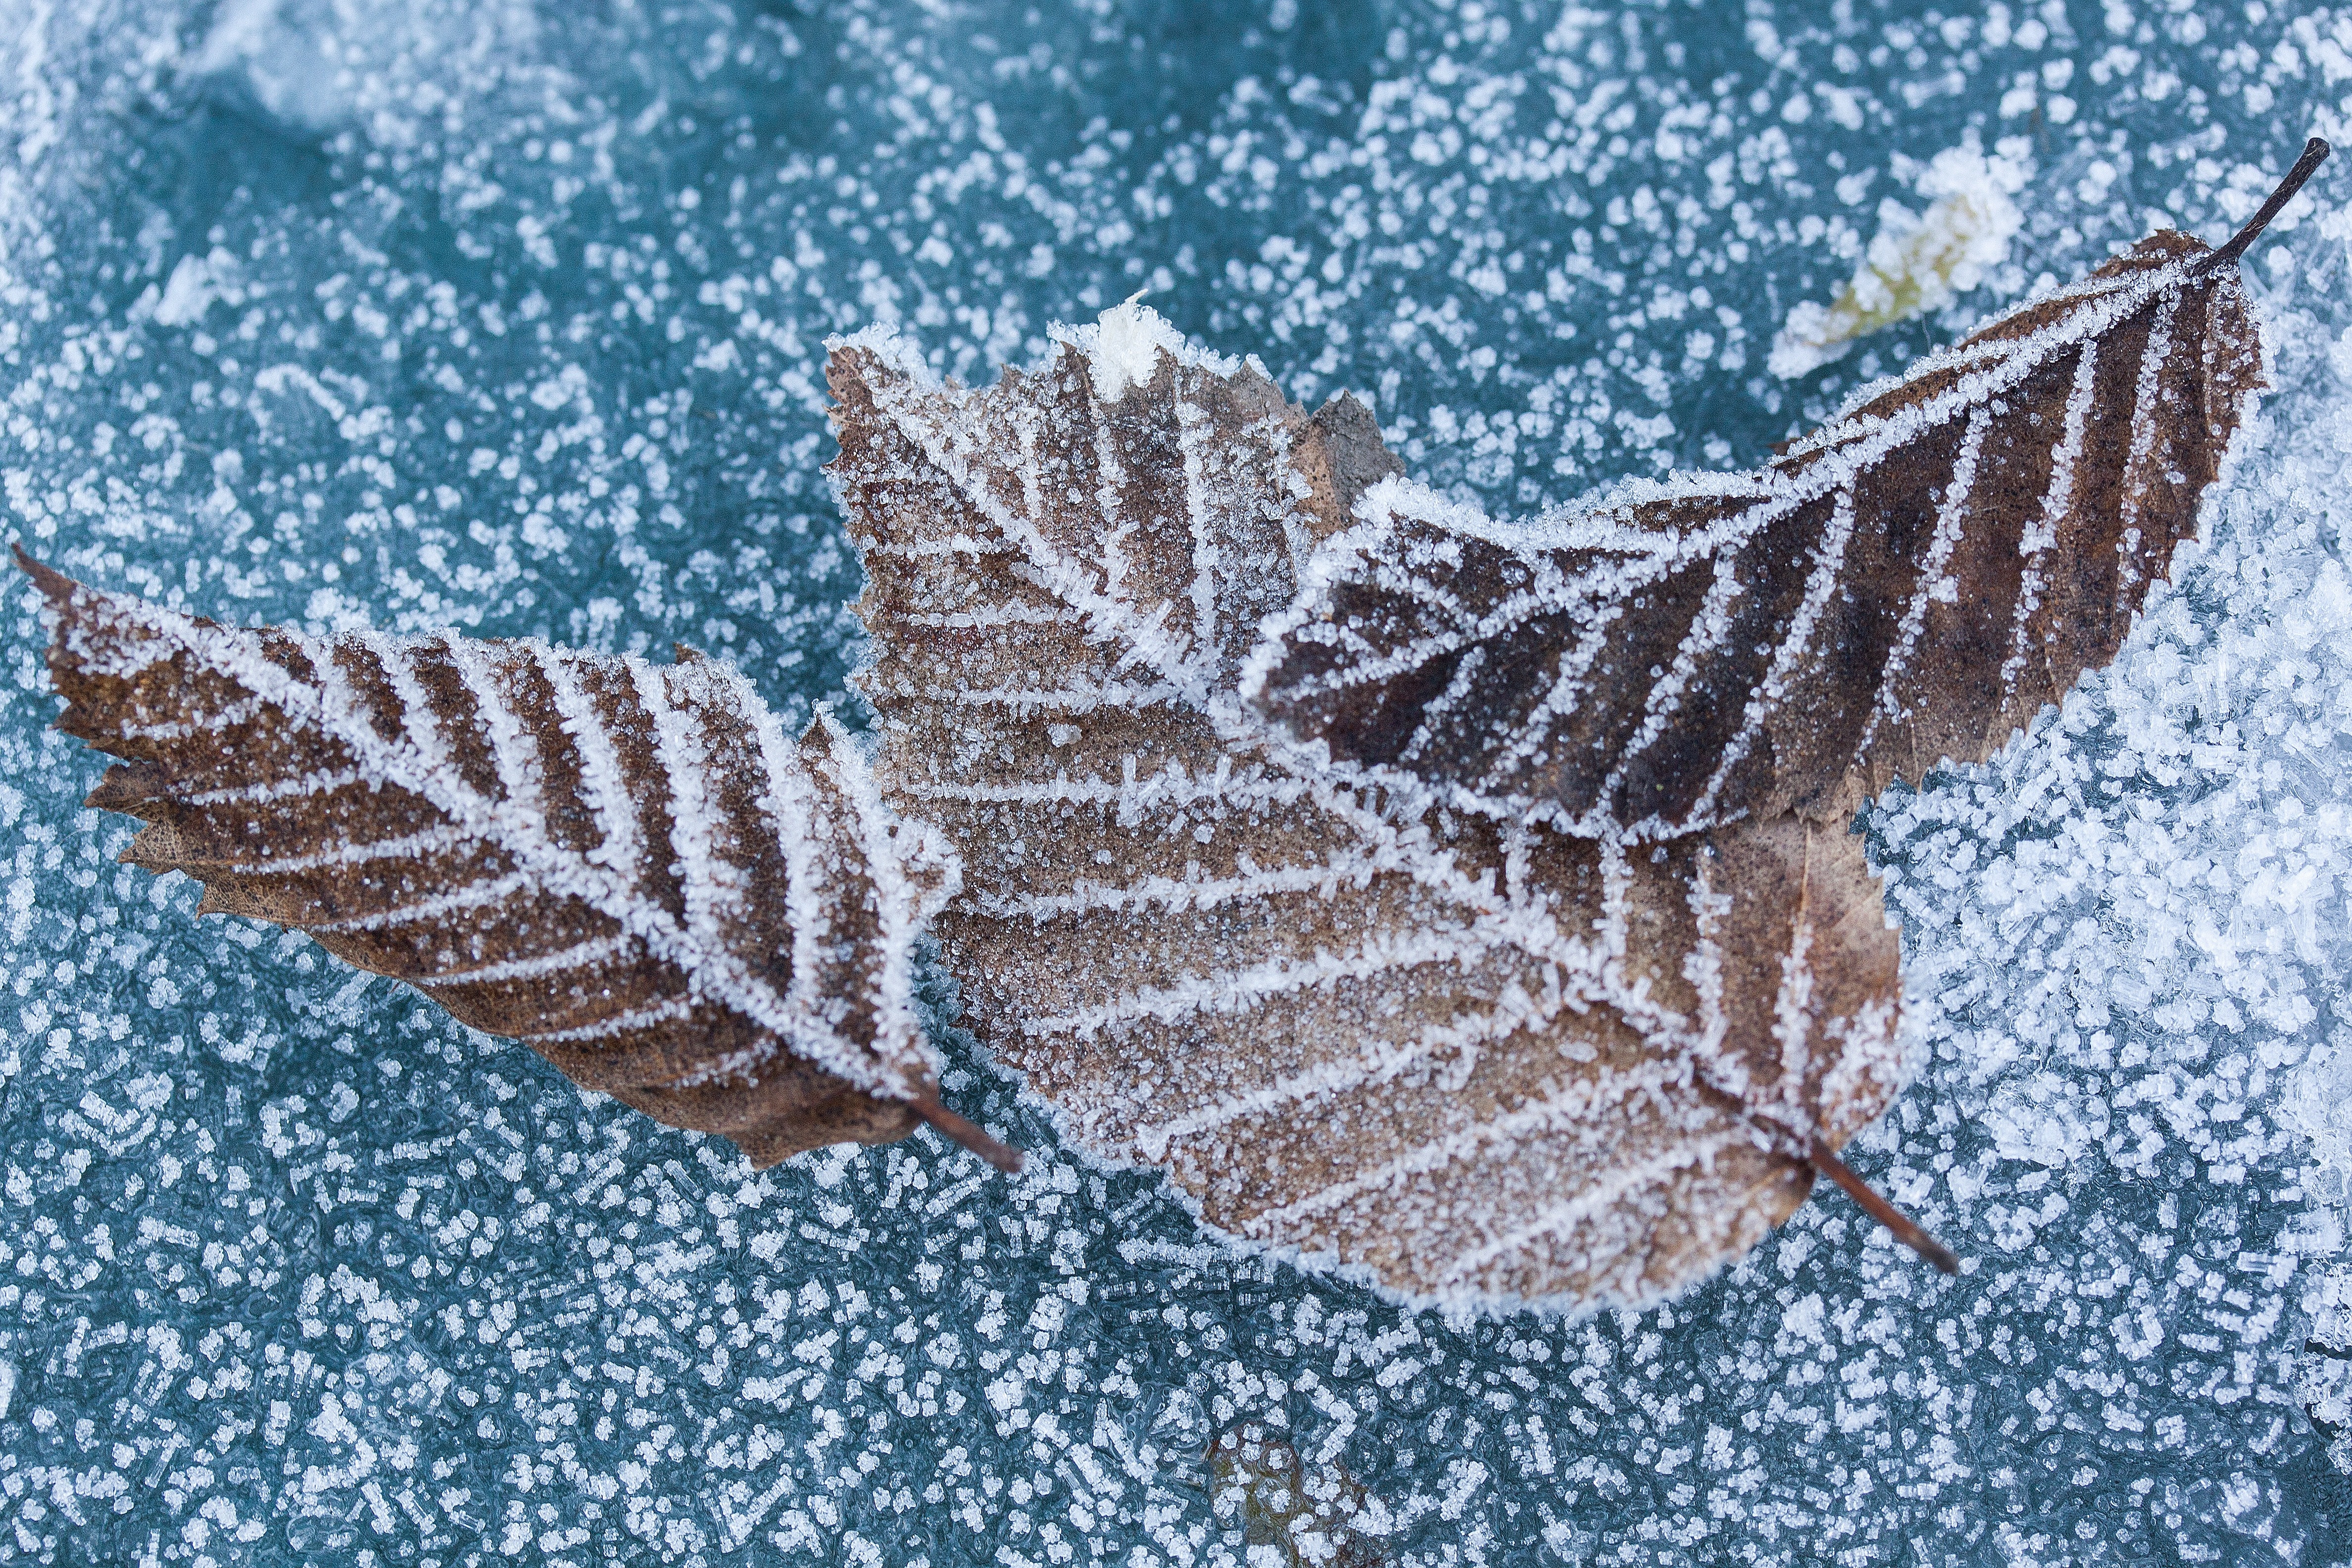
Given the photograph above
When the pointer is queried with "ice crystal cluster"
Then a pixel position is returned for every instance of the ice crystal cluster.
(511, 319)
(1917, 261)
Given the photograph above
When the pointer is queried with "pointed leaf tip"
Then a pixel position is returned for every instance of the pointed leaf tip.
(48, 579)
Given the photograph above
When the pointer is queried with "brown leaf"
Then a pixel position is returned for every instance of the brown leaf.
(1466, 1061)
(632, 868)
(1911, 582)
(1312, 1517)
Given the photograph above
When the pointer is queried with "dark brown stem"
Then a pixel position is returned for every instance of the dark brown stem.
(971, 1135)
(1906, 1229)
(2314, 153)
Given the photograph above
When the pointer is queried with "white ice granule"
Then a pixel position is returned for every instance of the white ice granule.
(188, 294)
(597, 1353)
(285, 60)
(1917, 262)
(1128, 340)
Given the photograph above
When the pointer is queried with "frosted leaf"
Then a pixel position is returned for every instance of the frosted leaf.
(1917, 262)
(632, 868)
(1911, 582)
(1471, 1061)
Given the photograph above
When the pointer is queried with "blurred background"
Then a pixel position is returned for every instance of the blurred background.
(511, 318)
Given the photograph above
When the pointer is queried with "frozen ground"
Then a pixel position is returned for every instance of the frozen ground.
(512, 318)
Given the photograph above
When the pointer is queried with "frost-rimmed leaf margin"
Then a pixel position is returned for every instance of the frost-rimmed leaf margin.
(629, 866)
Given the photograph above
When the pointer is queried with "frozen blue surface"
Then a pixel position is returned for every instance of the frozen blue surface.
(511, 318)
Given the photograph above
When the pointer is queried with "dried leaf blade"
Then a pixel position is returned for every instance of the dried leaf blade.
(1908, 585)
(631, 868)
(1467, 1062)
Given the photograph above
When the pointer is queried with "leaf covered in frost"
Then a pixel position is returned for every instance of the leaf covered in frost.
(1909, 583)
(1458, 1052)
(1468, 1060)
(632, 869)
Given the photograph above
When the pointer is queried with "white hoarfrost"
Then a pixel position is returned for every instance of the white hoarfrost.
(1917, 262)
(293, 1269)
(1125, 343)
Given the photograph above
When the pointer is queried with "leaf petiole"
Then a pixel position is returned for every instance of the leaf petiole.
(2314, 153)
(1906, 1230)
(968, 1132)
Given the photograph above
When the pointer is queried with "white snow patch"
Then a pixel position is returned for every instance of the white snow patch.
(189, 293)
(286, 68)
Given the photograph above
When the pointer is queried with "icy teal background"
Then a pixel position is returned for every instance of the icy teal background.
(511, 318)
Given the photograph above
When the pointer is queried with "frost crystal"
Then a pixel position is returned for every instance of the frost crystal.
(1127, 344)
(517, 327)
